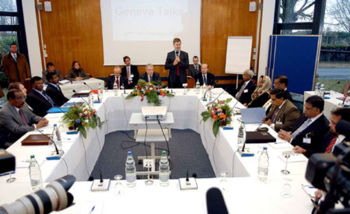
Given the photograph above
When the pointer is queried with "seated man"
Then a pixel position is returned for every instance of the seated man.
(130, 73)
(17, 119)
(246, 88)
(50, 68)
(54, 90)
(195, 69)
(116, 81)
(20, 86)
(38, 99)
(281, 82)
(310, 127)
(205, 77)
(150, 75)
(283, 112)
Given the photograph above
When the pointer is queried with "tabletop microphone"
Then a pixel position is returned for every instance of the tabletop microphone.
(88, 86)
(51, 140)
(85, 101)
(215, 202)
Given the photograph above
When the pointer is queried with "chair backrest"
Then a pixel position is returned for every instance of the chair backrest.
(191, 82)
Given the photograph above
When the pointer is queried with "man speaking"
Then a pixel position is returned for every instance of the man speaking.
(177, 63)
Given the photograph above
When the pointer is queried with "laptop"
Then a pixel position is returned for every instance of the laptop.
(253, 115)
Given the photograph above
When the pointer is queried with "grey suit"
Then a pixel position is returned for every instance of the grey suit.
(12, 121)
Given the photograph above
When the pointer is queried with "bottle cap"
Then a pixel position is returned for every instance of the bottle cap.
(129, 153)
(54, 125)
(265, 148)
(163, 152)
(32, 156)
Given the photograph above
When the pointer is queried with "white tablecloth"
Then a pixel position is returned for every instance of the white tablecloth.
(92, 83)
(244, 189)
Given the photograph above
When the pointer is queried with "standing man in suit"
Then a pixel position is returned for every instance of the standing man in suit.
(204, 77)
(246, 88)
(150, 75)
(195, 69)
(17, 119)
(54, 90)
(38, 98)
(50, 68)
(130, 73)
(116, 81)
(309, 129)
(177, 63)
(15, 65)
(284, 113)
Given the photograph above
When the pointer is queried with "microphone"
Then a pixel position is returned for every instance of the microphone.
(88, 86)
(51, 140)
(215, 202)
(216, 98)
(85, 101)
(91, 89)
(205, 94)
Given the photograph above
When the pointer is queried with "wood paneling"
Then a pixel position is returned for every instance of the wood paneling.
(73, 31)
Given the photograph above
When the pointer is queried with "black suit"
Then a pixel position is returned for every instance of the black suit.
(175, 81)
(246, 95)
(134, 71)
(193, 72)
(111, 80)
(38, 103)
(288, 96)
(56, 94)
(210, 79)
(315, 131)
(155, 76)
(259, 101)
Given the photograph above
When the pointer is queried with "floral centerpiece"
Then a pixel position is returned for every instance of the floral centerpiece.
(150, 90)
(81, 117)
(220, 112)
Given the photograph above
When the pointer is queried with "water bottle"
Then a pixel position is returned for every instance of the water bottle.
(317, 89)
(164, 170)
(35, 174)
(198, 85)
(100, 92)
(56, 137)
(321, 90)
(130, 170)
(91, 100)
(263, 167)
(241, 134)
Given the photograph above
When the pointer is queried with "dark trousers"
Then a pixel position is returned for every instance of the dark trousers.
(175, 83)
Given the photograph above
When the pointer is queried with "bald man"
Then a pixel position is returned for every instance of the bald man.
(246, 88)
(116, 81)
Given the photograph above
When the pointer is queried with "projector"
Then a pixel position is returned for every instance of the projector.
(153, 112)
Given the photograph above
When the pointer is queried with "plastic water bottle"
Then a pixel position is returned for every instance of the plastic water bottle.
(317, 89)
(35, 174)
(263, 167)
(91, 100)
(130, 170)
(241, 134)
(198, 85)
(100, 92)
(321, 90)
(56, 136)
(164, 170)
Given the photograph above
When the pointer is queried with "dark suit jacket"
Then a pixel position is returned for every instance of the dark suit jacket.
(38, 103)
(288, 96)
(56, 95)
(183, 65)
(315, 131)
(193, 72)
(210, 79)
(45, 72)
(135, 72)
(155, 76)
(15, 71)
(111, 80)
(259, 101)
(246, 96)
(287, 115)
(12, 121)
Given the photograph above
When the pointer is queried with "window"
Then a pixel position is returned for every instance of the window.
(298, 16)
(334, 66)
(11, 30)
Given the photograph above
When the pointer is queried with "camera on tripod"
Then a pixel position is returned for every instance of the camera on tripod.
(331, 173)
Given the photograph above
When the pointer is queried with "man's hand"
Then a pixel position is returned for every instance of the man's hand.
(285, 135)
(209, 87)
(42, 123)
(318, 195)
(268, 122)
(78, 78)
(177, 60)
(298, 149)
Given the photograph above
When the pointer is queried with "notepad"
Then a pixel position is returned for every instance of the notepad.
(58, 110)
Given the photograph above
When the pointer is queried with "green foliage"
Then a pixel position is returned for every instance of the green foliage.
(80, 117)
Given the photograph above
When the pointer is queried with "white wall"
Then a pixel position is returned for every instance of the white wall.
(266, 31)
(32, 35)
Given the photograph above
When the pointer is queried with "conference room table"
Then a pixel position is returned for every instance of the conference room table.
(91, 83)
(331, 103)
(242, 190)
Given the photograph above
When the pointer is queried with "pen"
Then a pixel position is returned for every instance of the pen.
(92, 209)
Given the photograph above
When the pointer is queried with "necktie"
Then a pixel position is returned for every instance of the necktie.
(48, 98)
(301, 128)
(118, 83)
(23, 117)
(205, 79)
(128, 72)
(149, 78)
(239, 93)
(177, 66)
(273, 118)
(331, 144)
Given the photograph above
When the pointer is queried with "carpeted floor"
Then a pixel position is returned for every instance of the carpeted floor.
(186, 151)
